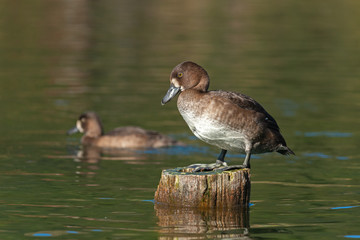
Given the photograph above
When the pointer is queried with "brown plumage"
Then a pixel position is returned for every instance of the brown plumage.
(228, 120)
(90, 124)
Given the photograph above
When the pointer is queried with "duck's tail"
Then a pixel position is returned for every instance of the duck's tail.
(284, 150)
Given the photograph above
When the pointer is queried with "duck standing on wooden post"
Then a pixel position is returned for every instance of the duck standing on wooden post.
(231, 121)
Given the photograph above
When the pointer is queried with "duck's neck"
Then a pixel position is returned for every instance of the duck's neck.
(188, 99)
(95, 130)
(202, 85)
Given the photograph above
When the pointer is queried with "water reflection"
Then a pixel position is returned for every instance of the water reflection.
(89, 158)
(192, 223)
(91, 154)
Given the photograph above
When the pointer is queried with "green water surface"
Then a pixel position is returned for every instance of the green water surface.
(299, 59)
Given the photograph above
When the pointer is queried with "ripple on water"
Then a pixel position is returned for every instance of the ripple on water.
(324, 134)
(343, 207)
(323, 155)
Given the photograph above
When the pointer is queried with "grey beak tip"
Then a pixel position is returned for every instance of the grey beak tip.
(170, 94)
(72, 131)
(163, 102)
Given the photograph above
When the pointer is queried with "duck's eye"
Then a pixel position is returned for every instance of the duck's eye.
(179, 75)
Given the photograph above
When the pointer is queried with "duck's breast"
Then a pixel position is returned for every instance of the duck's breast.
(217, 120)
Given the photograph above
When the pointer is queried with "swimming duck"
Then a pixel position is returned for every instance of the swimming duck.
(231, 121)
(90, 124)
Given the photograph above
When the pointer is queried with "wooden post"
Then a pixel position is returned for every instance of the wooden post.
(213, 189)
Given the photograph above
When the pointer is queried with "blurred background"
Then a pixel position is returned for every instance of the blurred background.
(59, 58)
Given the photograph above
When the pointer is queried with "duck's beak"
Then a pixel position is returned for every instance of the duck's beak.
(77, 128)
(170, 94)
(73, 130)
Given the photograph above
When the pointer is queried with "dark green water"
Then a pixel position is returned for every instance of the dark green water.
(299, 59)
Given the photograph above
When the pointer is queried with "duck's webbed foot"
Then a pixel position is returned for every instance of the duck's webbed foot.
(198, 167)
(218, 165)
(233, 167)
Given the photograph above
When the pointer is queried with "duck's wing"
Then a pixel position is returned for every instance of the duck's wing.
(122, 131)
(131, 130)
(245, 102)
(151, 138)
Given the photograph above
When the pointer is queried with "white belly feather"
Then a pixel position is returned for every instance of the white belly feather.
(215, 133)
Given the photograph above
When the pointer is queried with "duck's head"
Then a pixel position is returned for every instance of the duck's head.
(88, 123)
(186, 75)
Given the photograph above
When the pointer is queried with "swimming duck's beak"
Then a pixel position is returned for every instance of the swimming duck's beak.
(77, 128)
(170, 94)
(73, 130)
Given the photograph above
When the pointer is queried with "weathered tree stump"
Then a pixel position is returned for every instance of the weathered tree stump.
(213, 189)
